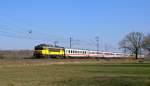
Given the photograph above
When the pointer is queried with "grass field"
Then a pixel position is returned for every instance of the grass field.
(73, 73)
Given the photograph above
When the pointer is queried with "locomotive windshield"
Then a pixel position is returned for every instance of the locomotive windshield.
(38, 48)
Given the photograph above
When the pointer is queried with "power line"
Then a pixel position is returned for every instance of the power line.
(39, 34)
(28, 34)
(31, 34)
(21, 32)
(20, 29)
(34, 33)
(18, 36)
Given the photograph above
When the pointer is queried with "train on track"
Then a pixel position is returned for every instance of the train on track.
(61, 52)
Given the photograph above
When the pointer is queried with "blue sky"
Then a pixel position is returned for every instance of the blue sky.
(83, 20)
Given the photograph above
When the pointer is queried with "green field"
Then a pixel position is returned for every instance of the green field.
(88, 73)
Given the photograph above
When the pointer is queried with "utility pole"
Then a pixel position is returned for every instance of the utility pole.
(106, 47)
(70, 41)
(97, 46)
(97, 43)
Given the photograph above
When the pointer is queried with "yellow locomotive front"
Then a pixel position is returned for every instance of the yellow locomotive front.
(49, 52)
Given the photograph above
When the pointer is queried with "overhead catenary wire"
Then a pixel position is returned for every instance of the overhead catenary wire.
(20, 37)
(24, 33)
(12, 29)
(20, 28)
(31, 35)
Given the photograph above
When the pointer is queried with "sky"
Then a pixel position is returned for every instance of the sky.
(26, 23)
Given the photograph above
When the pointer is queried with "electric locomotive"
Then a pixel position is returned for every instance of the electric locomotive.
(49, 52)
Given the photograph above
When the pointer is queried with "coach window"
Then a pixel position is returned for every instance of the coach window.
(71, 51)
(68, 51)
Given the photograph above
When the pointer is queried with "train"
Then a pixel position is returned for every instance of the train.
(61, 52)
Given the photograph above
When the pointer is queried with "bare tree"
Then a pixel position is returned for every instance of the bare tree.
(133, 43)
(146, 43)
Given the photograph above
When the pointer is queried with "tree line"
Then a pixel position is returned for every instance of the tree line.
(135, 42)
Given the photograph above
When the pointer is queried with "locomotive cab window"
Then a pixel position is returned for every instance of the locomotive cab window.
(38, 48)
